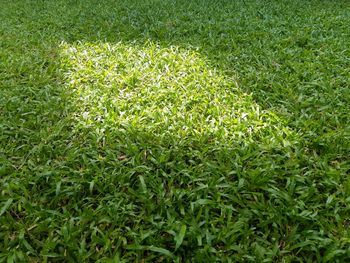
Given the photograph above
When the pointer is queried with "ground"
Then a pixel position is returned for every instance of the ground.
(174, 131)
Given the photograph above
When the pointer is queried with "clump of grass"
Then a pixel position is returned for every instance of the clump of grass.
(174, 131)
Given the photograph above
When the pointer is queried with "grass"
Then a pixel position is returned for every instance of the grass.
(174, 131)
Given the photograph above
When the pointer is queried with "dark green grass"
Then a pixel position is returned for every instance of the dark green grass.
(186, 131)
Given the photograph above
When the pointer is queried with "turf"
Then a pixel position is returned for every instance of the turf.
(174, 131)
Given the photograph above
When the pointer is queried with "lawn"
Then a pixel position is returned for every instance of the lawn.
(174, 131)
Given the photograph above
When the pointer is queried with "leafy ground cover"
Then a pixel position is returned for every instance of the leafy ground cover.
(185, 131)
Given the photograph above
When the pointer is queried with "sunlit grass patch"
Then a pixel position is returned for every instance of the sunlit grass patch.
(166, 92)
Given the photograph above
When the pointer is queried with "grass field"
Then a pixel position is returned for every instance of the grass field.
(174, 131)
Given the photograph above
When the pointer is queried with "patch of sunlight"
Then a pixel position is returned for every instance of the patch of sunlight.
(160, 91)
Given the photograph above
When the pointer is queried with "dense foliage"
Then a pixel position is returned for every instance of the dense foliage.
(163, 130)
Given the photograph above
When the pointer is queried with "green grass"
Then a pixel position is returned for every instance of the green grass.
(174, 131)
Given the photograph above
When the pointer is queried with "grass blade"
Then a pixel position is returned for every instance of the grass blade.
(6, 206)
(180, 237)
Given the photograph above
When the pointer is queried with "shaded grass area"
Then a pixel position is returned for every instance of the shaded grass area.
(174, 130)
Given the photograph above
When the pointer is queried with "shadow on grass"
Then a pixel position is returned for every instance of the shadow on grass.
(104, 160)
